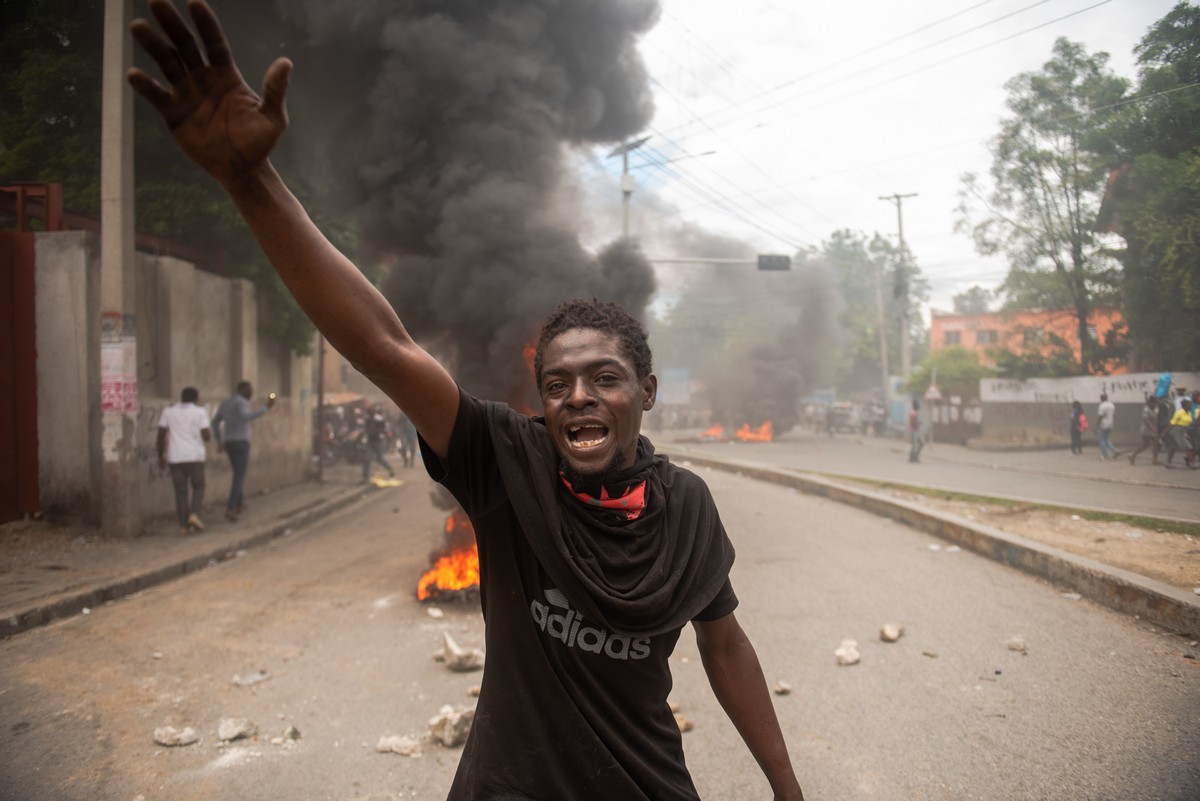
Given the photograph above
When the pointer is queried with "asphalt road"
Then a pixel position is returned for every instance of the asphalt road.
(1101, 707)
(1045, 476)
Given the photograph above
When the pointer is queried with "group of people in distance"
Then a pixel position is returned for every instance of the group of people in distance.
(1167, 424)
(183, 431)
(1171, 426)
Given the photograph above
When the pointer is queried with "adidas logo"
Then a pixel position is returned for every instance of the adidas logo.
(557, 619)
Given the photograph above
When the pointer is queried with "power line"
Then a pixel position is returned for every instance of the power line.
(942, 62)
(878, 65)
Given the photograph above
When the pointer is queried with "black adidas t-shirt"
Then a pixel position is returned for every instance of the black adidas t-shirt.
(567, 711)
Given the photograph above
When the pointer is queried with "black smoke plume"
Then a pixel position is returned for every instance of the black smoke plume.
(443, 127)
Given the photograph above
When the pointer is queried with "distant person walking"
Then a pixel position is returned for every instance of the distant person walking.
(182, 431)
(1106, 414)
(1178, 436)
(231, 425)
(408, 440)
(914, 432)
(377, 437)
(1150, 430)
(1079, 424)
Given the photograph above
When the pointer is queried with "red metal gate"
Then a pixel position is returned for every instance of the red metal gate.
(18, 378)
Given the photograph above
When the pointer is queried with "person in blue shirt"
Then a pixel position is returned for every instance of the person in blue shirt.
(231, 428)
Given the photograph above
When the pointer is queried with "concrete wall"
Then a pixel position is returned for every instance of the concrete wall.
(194, 329)
(66, 302)
(1037, 411)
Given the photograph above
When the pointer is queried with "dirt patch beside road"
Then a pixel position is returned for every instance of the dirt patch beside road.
(1170, 557)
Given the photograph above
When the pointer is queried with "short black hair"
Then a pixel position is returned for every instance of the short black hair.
(189, 395)
(601, 316)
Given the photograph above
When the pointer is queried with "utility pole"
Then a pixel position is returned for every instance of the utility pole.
(902, 266)
(626, 179)
(883, 342)
(119, 495)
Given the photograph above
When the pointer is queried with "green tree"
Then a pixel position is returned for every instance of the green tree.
(1048, 181)
(50, 96)
(51, 53)
(975, 300)
(860, 265)
(957, 370)
(1057, 362)
(1154, 197)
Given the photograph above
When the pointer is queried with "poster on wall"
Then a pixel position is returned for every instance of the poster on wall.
(118, 363)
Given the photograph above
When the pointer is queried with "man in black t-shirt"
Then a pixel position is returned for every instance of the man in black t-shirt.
(594, 551)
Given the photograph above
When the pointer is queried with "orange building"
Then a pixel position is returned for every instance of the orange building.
(1018, 331)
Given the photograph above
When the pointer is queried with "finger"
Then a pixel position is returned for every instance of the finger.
(157, 48)
(209, 28)
(275, 86)
(158, 95)
(177, 31)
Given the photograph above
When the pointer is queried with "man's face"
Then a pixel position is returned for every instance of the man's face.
(247, 391)
(593, 400)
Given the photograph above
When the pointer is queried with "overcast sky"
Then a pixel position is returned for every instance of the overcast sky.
(815, 109)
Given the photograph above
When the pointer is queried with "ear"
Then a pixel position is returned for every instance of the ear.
(649, 392)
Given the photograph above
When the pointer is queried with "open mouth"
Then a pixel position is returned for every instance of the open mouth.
(588, 436)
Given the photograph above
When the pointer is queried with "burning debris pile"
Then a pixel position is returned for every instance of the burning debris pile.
(455, 571)
(716, 433)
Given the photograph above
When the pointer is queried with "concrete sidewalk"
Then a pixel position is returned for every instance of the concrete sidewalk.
(53, 573)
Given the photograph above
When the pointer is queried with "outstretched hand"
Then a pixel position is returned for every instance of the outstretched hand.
(217, 119)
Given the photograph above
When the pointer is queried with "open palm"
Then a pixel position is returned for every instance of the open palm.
(217, 119)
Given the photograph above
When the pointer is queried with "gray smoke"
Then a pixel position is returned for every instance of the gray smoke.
(445, 124)
(757, 341)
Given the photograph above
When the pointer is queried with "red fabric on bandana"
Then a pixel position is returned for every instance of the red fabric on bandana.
(632, 503)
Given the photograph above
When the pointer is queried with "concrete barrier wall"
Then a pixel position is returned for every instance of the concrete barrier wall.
(194, 329)
(66, 300)
(1037, 411)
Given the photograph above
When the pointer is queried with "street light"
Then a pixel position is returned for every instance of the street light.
(627, 182)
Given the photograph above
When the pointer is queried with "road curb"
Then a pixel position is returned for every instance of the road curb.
(73, 602)
(1113, 587)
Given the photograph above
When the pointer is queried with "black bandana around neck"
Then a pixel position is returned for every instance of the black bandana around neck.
(644, 576)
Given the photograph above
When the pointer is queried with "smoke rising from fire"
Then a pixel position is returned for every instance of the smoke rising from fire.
(444, 126)
(756, 341)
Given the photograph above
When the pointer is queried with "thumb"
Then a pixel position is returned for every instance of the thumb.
(275, 88)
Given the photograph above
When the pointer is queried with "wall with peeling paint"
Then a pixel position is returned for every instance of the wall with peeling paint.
(193, 329)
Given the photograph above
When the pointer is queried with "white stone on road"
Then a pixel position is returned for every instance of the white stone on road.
(172, 737)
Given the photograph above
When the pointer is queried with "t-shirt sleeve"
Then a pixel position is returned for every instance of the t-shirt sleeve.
(469, 471)
(725, 602)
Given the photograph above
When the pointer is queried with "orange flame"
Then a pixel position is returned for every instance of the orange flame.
(528, 355)
(716, 432)
(457, 570)
(764, 433)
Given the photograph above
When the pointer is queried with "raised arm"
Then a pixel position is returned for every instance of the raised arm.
(737, 680)
(229, 131)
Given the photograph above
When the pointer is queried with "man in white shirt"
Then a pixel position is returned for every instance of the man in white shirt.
(1105, 414)
(182, 431)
